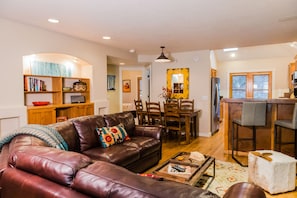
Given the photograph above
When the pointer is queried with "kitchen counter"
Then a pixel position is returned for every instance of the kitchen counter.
(277, 109)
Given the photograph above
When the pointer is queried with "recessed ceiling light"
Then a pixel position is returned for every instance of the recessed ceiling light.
(230, 49)
(51, 20)
(106, 37)
(294, 44)
(122, 63)
(232, 55)
(132, 50)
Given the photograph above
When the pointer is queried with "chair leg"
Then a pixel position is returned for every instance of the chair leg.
(295, 144)
(254, 138)
(279, 139)
(233, 139)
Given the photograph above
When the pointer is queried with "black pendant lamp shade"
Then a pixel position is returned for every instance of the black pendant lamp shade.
(162, 58)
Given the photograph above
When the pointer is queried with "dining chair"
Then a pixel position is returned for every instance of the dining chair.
(187, 106)
(172, 119)
(172, 100)
(287, 124)
(140, 112)
(154, 113)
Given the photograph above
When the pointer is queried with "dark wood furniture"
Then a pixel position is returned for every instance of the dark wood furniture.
(187, 106)
(154, 113)
(172, 120)
(195, 169)
(140, 112)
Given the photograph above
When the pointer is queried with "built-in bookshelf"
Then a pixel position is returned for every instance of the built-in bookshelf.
(57, 91)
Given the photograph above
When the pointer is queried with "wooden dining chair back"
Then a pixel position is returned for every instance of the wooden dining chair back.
(187, 106)
(154, 113)
(172, 119)
(140, 112)
(172, 100)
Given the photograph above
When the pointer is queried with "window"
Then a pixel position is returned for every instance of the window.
(250, 85)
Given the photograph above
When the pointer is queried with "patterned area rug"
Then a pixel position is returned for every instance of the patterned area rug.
(226, 174)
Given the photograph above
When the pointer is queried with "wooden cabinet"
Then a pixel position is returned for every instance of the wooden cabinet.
(42, 115)
(291, 69)
(58, 91)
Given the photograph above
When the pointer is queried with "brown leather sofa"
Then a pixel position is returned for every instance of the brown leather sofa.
(47, 172)
(141, 152)
(30, 168)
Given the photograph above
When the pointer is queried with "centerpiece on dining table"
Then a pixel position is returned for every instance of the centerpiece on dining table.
(166, 93)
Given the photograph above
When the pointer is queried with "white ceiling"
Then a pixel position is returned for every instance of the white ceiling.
(180, 25)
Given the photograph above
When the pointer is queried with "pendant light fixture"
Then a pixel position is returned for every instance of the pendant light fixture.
(162, 58)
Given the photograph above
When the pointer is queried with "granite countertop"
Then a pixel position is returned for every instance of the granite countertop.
(276, 100)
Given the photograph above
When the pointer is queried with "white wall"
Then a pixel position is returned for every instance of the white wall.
(198, 63)
(18, 40)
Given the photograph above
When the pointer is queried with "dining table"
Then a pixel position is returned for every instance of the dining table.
(188, 116)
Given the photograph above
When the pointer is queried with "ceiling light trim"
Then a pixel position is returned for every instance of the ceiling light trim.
(230, 49)
(53, 20)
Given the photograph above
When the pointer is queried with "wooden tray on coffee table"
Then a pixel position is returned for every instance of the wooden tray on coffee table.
(194, 169)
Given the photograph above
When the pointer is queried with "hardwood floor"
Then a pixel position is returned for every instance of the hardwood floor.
(212, 146)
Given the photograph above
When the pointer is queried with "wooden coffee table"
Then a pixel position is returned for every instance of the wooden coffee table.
(194, 170)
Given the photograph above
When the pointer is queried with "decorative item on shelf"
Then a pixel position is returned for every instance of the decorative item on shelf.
(166, 93)
(79, 86)
(162, 58)
(40, 103)
(77, 99)
(67, 89)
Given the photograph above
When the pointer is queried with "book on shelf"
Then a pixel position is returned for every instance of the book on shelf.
(34, 84)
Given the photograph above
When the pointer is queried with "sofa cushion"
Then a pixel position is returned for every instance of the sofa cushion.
(113, 181)
(109, 136)
(146, 145)
(127, 119)
(111, 120)
(54, 164)
(18, 183)
(117, 154)
(86, 129)
(69, 134)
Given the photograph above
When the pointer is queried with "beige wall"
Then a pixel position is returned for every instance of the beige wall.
(128, 97)
(18, 40)
(278, 67)
(113, 96)
(198, 63)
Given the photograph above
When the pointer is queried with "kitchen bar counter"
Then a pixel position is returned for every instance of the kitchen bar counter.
(277, 109)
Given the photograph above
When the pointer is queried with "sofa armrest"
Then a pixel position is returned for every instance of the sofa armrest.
(244, 189)
(148, 131)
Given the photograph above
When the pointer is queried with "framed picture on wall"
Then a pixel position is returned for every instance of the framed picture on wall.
(126, 85)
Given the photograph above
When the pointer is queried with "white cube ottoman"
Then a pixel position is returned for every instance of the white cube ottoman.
(275, 176)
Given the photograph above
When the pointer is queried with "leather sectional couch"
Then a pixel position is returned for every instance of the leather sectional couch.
(30, 168)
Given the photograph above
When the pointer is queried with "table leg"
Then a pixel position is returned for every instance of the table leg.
(187, 123)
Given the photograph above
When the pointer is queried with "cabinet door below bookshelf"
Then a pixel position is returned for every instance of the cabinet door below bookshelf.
(42, 116)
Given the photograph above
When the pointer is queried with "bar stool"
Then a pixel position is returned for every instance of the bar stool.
(253, 115)
(288, 124)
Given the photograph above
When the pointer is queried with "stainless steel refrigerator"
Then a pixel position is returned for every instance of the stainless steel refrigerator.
(215, 105)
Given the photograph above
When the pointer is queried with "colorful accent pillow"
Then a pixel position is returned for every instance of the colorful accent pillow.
(109, 136)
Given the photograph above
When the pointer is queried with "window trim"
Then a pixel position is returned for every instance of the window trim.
(249, 82)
